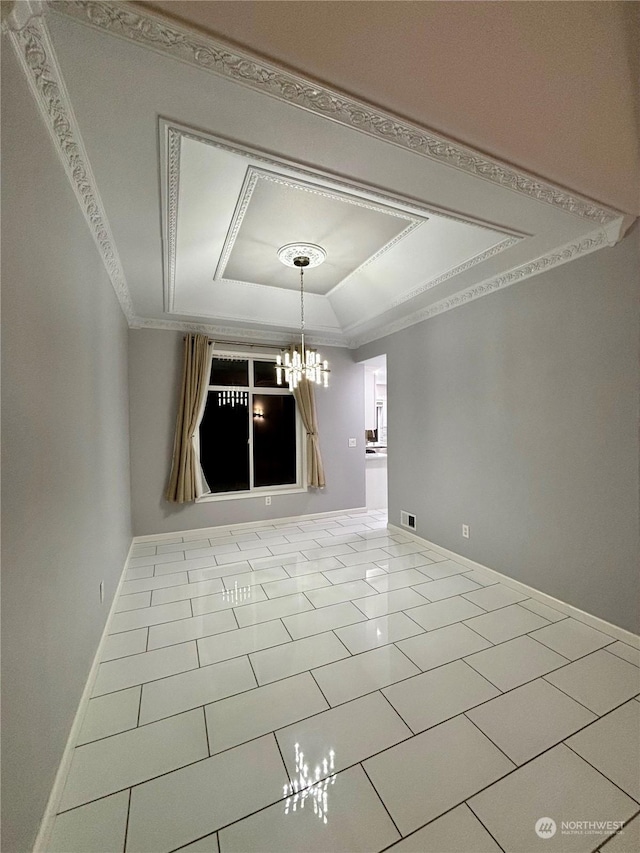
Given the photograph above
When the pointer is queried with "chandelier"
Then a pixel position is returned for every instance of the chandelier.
(298, 363)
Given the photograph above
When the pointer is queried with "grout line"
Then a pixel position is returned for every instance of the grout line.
(206, 729)
(126, 826)
(626, 824)
(597, 769)
(485, 735)
(384, 805)
(486, 828)
(137, 718)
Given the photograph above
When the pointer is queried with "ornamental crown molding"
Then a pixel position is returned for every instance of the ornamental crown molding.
(188, 45)
(569, 252)
(29, 36)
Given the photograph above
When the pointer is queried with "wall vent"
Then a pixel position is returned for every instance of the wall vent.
(407, 520)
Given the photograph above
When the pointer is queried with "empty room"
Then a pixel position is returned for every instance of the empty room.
(320, 426)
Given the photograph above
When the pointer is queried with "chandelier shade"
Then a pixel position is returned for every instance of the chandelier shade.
(297, 362)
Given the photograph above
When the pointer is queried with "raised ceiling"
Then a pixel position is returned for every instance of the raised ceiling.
(195, 162)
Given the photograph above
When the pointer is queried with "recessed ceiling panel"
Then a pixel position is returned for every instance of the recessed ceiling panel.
(277, 211)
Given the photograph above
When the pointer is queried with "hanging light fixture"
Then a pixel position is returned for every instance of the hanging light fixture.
(296, 362)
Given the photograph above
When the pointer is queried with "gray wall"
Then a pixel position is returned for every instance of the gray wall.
(518, 415)
(155, 370)
(65, 460)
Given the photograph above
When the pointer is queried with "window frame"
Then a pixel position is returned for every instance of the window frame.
(301, 457)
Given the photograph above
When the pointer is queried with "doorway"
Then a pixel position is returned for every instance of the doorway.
(375, 424)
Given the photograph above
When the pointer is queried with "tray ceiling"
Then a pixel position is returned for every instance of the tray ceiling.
(214, 159)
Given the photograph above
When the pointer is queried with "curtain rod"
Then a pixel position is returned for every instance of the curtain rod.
(245, 344)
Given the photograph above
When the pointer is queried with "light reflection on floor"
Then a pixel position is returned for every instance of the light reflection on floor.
(305, 786)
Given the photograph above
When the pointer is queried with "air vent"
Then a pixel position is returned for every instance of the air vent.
(407, 520)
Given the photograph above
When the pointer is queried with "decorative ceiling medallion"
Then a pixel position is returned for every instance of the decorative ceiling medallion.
(288, 254)
(187, 45)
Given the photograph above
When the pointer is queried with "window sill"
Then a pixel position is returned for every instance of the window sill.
(234, 496)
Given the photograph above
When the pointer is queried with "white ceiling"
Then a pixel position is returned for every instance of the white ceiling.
(199, 162)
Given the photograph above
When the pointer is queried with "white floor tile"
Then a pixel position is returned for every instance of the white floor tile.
(143, 584)
(506, 623)
(373, 633)
(277, 561)
(292, 585)
(95, 828)
(121, 645)
(152, 560)
(194, 688)
(257, 712)
(188, 565)
(254, 553)
(231, 644)
(389, 602)
(208, 844)
(627, 840)
(236, 597)
(341, 735)
(363, 571)
(274, 609)
(435, 556)
(481, 578)
(397, 580)
(141, 572)
(317, 621)
(457, 831)
(186, 591)
(442, 645)
(132, 602)
(398, 564)
(217, 549)
(211, 572)
(543, 610)
(364, 673)
(276, 573)
(148, 666)
(612, 746)
(445, 612)
(369, 543)
(422, 778)
(179, 807)
(296, 656)
(348, 818)
(358, 557)
(530, 719)
(191, 545)
(439, 694)
(191, 629)
(628, 653)
(600, 681)
(330, 551)
(404, 549)
(110, 715)
(557, 784)
(142, 550)
(492, 597)
(288, 547)
(515, 662)
(340, 592)
(117, 762)
(149, 616)
(572, 639)
(436, 590)
(307, 567)
(445, 569)
(308, 536)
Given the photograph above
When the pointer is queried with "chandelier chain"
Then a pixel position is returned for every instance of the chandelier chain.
(301, 298)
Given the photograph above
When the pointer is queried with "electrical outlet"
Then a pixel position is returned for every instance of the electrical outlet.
(101, 592)
(465, 531)
(267, 500)
(353, 442)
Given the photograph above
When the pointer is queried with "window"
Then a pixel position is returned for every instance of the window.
(250, 432)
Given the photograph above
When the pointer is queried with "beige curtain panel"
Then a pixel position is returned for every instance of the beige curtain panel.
(186, 482)
(306, 401)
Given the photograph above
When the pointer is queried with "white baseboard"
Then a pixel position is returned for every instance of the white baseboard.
(596, 622)
(265, 522)
(43, 839)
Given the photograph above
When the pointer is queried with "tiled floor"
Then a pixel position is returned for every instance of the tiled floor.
(332, 686)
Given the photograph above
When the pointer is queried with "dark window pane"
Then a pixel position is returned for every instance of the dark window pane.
(227, 372)
(224, 441)
(274, 439)
(264, 374)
